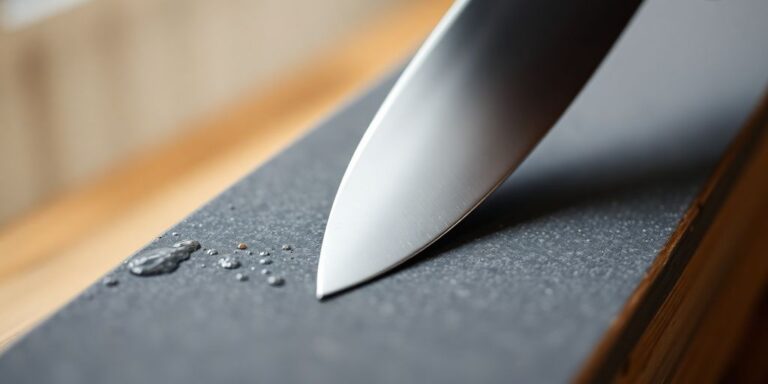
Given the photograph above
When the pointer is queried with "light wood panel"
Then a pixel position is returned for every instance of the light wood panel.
(53, 253)
(96, 82)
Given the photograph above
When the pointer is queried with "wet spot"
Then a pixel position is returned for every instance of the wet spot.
(162, 260)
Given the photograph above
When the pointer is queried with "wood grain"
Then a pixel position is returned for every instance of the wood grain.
(698, 292)
(83, 88)
(56, 251)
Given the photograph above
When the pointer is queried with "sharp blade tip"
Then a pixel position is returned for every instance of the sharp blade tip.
(334, 277)
(319, 291)
(328, 286)
(323, 291)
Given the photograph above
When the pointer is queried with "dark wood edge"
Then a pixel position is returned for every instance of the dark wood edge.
(607, 359)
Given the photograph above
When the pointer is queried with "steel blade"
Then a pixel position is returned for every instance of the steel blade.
(485, 87)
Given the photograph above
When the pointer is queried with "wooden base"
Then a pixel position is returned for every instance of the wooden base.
(692, 336)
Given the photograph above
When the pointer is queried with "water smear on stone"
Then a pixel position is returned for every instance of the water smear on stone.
(162, 260)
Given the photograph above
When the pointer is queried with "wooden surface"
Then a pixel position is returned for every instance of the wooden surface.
(82, 89)
(748, 362)
(697, 329)
(54, 252)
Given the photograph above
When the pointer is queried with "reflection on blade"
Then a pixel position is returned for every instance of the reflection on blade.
(486, 86)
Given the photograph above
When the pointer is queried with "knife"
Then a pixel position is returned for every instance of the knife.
(486, 86)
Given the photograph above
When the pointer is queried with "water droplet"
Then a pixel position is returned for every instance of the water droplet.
(162, 260)
(110, 281)
(264, 253)
(287, 247)
(202, 265)
(231, 207)
(250, 252)
(191, 244)
(265, 261)
(275, 281)
(266, 272)
(212, 252)
(242, 246)
(241, 277)
(229, 262)
(253, 268)
(174, 233)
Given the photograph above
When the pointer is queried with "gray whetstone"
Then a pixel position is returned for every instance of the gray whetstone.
(520, 292)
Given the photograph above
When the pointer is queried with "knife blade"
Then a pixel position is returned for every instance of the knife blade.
(485, 87)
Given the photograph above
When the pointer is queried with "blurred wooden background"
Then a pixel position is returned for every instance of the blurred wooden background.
(100, 80)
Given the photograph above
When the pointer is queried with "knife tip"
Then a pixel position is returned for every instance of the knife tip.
(320, 294)
(329, 284)
(344, 265)
(323, 290)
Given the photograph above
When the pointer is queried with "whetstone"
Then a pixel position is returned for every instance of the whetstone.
(522, 291)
